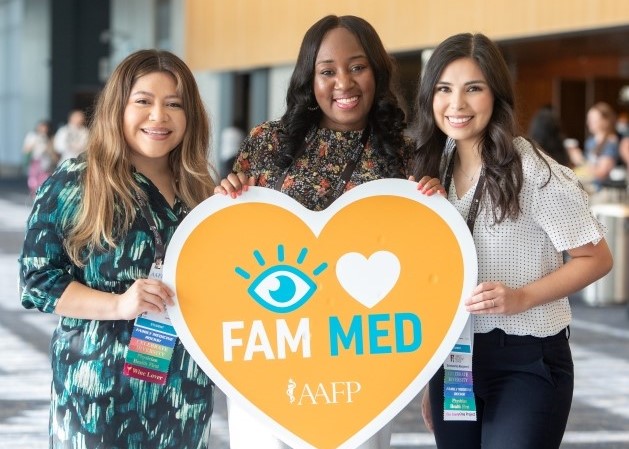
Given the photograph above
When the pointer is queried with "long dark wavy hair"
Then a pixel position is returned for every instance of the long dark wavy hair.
(502, 162)
(386, 117)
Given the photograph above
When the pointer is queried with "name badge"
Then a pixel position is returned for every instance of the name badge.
(152, 342)
(458, 389)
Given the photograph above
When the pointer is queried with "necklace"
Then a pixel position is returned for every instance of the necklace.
(470, 178)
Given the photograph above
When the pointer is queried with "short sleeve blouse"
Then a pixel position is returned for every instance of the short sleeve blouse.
(554, 217)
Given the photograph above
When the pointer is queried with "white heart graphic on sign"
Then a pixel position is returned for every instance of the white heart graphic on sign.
(370, 280)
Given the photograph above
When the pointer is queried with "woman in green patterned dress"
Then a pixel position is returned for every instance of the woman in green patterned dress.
(88, 251)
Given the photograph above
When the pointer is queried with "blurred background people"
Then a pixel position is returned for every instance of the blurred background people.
(622, 124)
(622, 128)
(71, 139)
(600, 150)
(42, 158)
(624, 151)
(545, 129)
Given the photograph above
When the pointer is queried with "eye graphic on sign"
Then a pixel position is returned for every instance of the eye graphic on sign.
(282, 288)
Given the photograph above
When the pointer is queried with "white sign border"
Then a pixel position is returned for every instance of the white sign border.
(316, 221)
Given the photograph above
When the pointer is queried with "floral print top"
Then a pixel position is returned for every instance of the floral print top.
(318, 170)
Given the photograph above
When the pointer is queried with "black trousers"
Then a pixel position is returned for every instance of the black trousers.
(523, 388)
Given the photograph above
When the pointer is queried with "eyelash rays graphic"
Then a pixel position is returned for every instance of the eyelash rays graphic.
(282, 288)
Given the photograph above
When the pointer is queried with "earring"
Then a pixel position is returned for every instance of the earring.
(313, 108)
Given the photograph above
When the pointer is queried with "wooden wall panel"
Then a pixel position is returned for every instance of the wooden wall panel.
(571, 85)
(243, 34)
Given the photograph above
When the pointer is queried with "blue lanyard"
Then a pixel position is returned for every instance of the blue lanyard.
(478, 192)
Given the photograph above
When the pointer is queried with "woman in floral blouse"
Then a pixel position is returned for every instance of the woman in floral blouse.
(342, 127)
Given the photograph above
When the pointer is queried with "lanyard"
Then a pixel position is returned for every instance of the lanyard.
(478, 192)
(459, 402)
(346, 174)
(160, 250)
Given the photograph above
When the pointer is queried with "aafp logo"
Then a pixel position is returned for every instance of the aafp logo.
(333, 392)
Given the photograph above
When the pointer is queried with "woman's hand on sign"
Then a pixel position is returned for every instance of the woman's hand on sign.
(145, 295)
(234, 184)
(429, 186)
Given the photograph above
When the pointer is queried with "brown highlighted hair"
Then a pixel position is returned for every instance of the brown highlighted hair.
(108, 203)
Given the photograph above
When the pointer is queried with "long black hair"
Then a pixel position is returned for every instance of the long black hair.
(502, 162)
(386, 118)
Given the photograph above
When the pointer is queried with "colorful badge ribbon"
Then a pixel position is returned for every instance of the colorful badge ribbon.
(458, 388)
(152, 342)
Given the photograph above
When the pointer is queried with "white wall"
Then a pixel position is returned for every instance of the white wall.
(178, 17)
(24, 75)
(129, 34)
(36, 75)
(278, 84)
(210, 88)
(132, 28)
(11, 128)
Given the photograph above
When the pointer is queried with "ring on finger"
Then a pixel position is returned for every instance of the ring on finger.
(493, 303)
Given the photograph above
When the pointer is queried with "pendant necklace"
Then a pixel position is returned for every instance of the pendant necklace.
(470, 178)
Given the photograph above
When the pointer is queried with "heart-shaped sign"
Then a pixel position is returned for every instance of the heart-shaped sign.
(323, 325)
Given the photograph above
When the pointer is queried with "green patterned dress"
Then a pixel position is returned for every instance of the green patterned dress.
(93, 404)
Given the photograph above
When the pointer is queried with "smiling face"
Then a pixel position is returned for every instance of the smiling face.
(463, 102)
(344, 83)
(154, 121)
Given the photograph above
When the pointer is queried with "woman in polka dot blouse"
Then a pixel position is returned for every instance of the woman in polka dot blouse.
(524, 210)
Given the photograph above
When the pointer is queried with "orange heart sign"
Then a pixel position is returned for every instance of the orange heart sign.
(322, 320)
